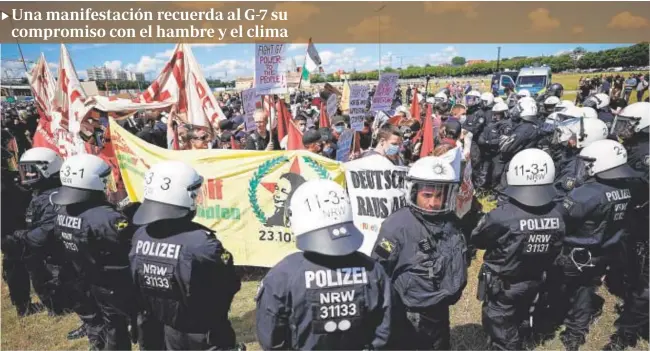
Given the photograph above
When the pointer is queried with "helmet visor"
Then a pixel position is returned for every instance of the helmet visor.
(623, 127)
(29, 173)
(472, 100)
(565, 131)
(433, 198)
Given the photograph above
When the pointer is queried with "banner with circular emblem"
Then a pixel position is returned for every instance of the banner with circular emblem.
(243, 195)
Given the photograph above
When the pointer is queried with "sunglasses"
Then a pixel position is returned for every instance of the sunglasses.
(202, 138)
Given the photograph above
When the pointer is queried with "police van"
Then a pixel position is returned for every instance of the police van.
(505, 78)
(534, 79)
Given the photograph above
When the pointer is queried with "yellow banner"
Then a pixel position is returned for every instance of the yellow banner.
(243, 193)
(345, 99)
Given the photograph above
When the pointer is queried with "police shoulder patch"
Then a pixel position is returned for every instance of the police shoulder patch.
(567, 203)
(384, 248)
(226, 257)
(481, 120)
(569, 183)
(646, 160)
(121, 224)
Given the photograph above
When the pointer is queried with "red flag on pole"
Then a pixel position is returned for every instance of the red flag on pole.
(233, 143)
(284, 119)
(294, 141)
(324, 118)
(427, 134)
(415, 106)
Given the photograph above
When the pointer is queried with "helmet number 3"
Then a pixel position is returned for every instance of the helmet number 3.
(166, 181)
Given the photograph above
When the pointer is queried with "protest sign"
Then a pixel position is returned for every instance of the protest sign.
(377, 189)
(344, 145)
(243, 195)
(270, 75)
(383, 98)
(331, 105)
(249, 99)
(465, 192)
(358, 99)
(345, 98)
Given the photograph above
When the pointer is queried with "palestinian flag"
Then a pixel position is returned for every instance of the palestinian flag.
(312, 61)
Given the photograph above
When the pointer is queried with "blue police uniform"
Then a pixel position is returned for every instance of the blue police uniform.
(185, 282)
(521, 244)
(44, 253)
(595, 216)
(426, 258)
(606, 116)
(14, 270)
(312, 301)
(490, 157)
(524, 135)
(97, 240)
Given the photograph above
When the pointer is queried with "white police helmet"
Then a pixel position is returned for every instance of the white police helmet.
(498, 99)
(606, 159)
(530, 177)
(321, 219)
(598, 101)
(588, 112)
(487, 99)
(563, 105)
(550, 103)
(473, 98)
(583, 131)
(527, 109)
(38, 163)
(434, 182)
(170, 192)
(500, 107)
(523, 93)
(84, 178)
(634, 118)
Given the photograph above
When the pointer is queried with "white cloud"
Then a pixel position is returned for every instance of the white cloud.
(82, 74)
(562, 52)
(293, 47)
(113, 65)
(207, 47)
(230, 68)
(53, 66)
(146, 64)
(167, 54)
(346, 60)
(449, 49)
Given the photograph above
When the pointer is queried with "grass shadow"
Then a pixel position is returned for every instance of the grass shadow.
(250, 273)
(245, 327)
(468, 337)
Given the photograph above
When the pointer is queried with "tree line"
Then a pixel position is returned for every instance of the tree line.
(635, 55)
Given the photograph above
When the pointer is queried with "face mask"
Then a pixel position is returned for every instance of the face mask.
(339, 129)
(303, 129)
(392, 150)
(462, 119)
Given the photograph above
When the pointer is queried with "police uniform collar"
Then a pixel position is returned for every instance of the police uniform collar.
(435, 221)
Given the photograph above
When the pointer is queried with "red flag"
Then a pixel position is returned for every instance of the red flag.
(294, 141)
(284, 119)
(233, 143)
(324, 119)
(427, 134)
(415, 106)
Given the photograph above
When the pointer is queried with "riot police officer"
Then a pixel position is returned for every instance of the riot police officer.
(600, 103)
(524, 135)
(595, 219)
(44, 254)
(571, 136)
(423, 250)
(493, 134)
(184, 277)
(328, 295)
(15, 201)
(97, 240)
(631, 126)
(522, 237)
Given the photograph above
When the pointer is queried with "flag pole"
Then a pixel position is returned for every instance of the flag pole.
(303, 64)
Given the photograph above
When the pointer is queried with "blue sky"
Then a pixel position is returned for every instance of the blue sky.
(233, 60)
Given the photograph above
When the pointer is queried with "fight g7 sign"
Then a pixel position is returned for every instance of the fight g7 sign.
(383, 97)
(377, 188)
(270, 77)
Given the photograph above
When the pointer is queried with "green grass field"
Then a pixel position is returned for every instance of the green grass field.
(40, 332)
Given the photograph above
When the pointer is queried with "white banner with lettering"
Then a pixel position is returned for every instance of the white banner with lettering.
(270, 76)
(377, 188)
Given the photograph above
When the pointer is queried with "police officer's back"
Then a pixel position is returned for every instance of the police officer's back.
(328, 296)
(184, 277)
(600, 102)
(96, 239)
(44, 252)
(595, 214)
(424, 252)
(522, 237)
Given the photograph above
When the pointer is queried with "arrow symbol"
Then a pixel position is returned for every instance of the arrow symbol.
(4, 15)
